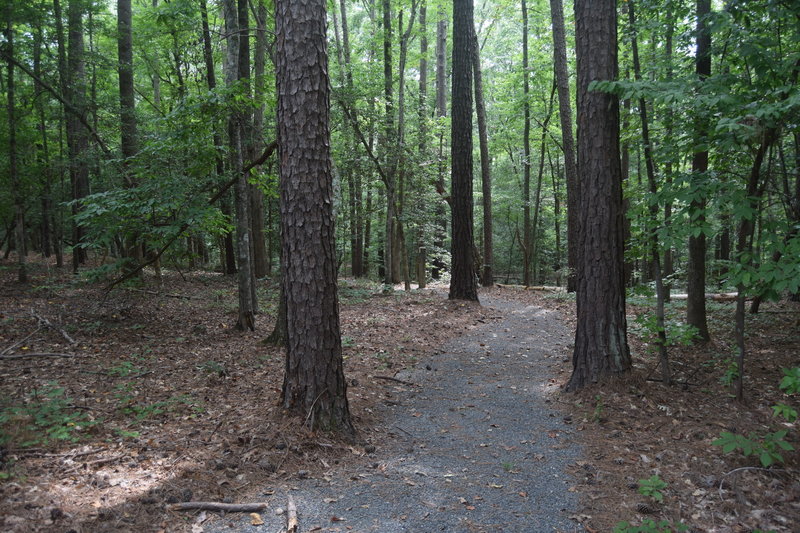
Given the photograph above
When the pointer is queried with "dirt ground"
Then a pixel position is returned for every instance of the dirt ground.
(149, 397)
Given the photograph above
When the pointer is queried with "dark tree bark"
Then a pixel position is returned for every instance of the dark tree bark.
(77, 136)
(314, 386)
(487, 276)
(389, 146)
(19, 206)
(567, 141)
(127, 103)
(696, 274)
(601, 346)
(526, 155)
(463, 281)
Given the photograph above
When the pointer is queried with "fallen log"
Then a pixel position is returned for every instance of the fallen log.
(292, 524)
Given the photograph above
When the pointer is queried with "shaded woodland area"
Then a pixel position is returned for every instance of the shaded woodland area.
(234, 170)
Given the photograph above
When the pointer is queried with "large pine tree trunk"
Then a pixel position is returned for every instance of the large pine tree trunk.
(567, 141)
(314, 386)
(463, 281)
(696, 275)
(601, 346)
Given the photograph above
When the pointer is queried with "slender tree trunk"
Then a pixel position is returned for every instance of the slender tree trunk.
(48, 220)
(422, 147)
(314, 386)
(260, 261)
(16, 187)
(463, 282)
(487, 276)
(77, 137)
(555, 172)
(601, 346)
(650, 165)
(526, 157)
(441, 111)
(567, 141)
(390, 155)
(696, 275)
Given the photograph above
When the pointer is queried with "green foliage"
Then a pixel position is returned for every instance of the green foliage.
(652, 487)
(766, 447)
(650, 526)
(790, 384)
(47, 416)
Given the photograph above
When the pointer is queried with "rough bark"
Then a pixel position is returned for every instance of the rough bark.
(601, 347)
(441, 111)
(696, 274)
(463, 281)
(389, 146)
(260, 261)
(567, 140)
(314, 386)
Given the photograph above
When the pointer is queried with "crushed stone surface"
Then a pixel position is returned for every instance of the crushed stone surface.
(475, 445)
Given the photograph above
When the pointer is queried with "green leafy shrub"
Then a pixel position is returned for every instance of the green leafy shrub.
(767, 447)
(47, 416)
(652, 487)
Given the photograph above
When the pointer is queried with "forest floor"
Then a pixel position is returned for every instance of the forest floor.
(161, 401)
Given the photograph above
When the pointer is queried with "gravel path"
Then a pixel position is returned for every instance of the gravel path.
(476, 446)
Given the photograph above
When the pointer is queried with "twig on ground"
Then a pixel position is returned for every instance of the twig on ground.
(389, 378)
(166, 294)
(94, 463)
(19, 342)
(36, 354)
(49, 324)
(292, 524)
(218, 506)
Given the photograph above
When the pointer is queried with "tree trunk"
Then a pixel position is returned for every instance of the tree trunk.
(567, 141)
(601, 346)
(441, 111)
(16, 191)
(390, 156)
(650, 165)
(526, 157)
(487, 276)
(77, 137)
(256, 194)
(696, 274)
(463, 282)
(314, 386)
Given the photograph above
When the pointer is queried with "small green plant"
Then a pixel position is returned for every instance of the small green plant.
(214, 367)
(784, 411)
(348, 342)
(47, 416)
(652, 487)
(598, 409)
(731, 373)
(650, 526)
(123, 369)
(508, 466)
(790, 384)
(767, 447)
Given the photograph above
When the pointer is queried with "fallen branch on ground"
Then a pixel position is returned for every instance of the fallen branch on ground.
(20, 342)
(95, 463)
(389, 378)
(28, 355)
(218, 506)
(292, 524)
(156, 293)
(50, 325)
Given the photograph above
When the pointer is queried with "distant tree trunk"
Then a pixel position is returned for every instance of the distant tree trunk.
(127, 106)
(441, 111)
(390, 155)
(228, 255)
(555, 172)
(234, 73)
(314, 386)
(538, 198)
(696, 275)
(16, 187)
(49, 240)
(422, 118)
(601, 346)
(565, 113)
(487, 276)
(650, 165)
(260, 261)
(526, 157)
(463, 282)
(77, 136)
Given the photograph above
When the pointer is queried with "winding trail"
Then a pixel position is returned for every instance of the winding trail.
(475, 446)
